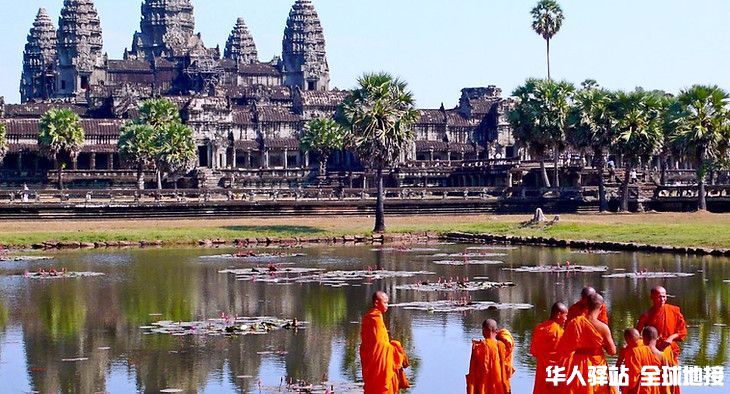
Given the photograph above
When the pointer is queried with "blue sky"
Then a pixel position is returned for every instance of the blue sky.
(441, 46)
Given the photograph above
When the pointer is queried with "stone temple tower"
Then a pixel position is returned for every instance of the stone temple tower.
(80, 58)
(240, 45)
(166, 25)
(39, 60)
(304, 55)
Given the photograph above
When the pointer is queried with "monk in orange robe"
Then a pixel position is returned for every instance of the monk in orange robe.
(382, 360)
(632, 339)
(544, 347)
(581, 307)
(487, 364)
(644, 357)
(582, 346)
(506, 338)
(667, 319)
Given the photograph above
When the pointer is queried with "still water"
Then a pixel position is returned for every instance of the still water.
(99, 318)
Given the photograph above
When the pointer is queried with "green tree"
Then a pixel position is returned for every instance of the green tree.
(540, 120)
(638, 126)
(591, 127)
(164, 139)
(379, 116)
(61, 134)
(702, 130)
(177, 152)
(138, 144)
(322, 136)
(547, 19)
(3, 142)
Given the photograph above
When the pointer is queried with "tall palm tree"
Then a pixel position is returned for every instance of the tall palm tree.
(158, 113)
(322, 136)
(176, 152)
(547, 19)
(540, 120)
(61, 133)
(137, 143)
(379, 116)
(703, 129)
(591, 127)
(638, 121)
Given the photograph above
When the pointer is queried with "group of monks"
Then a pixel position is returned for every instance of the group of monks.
(573, 340)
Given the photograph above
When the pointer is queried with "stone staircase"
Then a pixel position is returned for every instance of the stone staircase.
(208, 178)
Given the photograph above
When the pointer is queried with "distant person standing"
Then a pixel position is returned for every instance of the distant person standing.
(382, 360)
(24, 196)
(633, 176)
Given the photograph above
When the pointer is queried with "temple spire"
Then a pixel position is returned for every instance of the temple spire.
(304, 55)
(39, 60)
(80, 57)
(166, 28)
(240, 45)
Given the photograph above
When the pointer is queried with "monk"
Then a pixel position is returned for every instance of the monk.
(632, 339)
(581, 307)
(544, 347)
(583, 345)
(506, 338)
(382, 360)
(647, 356)
(667, 319)
(487, 364)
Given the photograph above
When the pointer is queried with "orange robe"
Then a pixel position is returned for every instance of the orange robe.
(668, 320)
(636, 360)
(544, 346)
(382, 360)
(580, 308)
(580, 347)
(625, 351)
(487, 367)
(508, 340)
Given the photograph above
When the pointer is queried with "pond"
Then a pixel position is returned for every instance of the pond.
(86, 334)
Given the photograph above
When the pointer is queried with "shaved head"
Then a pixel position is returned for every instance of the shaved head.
(559, 313)
(649, 334)
(631, 334)
(587, 292)
(595, 302)
(490, 325)
(658, 296)
(380, 301)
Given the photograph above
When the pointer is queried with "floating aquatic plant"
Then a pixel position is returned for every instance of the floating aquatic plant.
(650, 275)
(454, 286)
(223, 326)
(463, 305)
(559, 269)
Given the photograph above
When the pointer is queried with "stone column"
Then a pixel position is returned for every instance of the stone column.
(306, 159)
(110, 163)
(211, 157)
(20, 162)
(286, 158)
(224, 159)
(448, 156)
(248, 158)
(92, 161)
(509, 179)
(75, 162)
(266, 158)
(430, 154)
(235, 158)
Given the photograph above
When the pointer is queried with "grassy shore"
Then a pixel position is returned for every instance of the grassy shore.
(677, 229)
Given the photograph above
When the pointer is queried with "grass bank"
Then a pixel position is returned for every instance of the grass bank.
(677, 229)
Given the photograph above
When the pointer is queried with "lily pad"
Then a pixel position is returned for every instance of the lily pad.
(404, 250)
(61, 275)
(468, 254)
(451, 306)
(314, 388)
(24, 258)
(591, 251)
(343, 278)
(224, 326)
(454, 286)
(468, 262)
(650, 275)
(492, 247)
(252, 256)
(559, 269)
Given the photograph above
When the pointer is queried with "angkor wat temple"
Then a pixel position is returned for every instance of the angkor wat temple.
(246, 114)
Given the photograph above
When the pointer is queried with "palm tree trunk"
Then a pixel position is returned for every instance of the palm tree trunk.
(380, 203)
(601, 164)
(664, 162)
(543, 170)
(159, 179)
(140, 176)
(625, 189)
(323, 158)
(701, 178)
(556, 173)
(548, 58)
